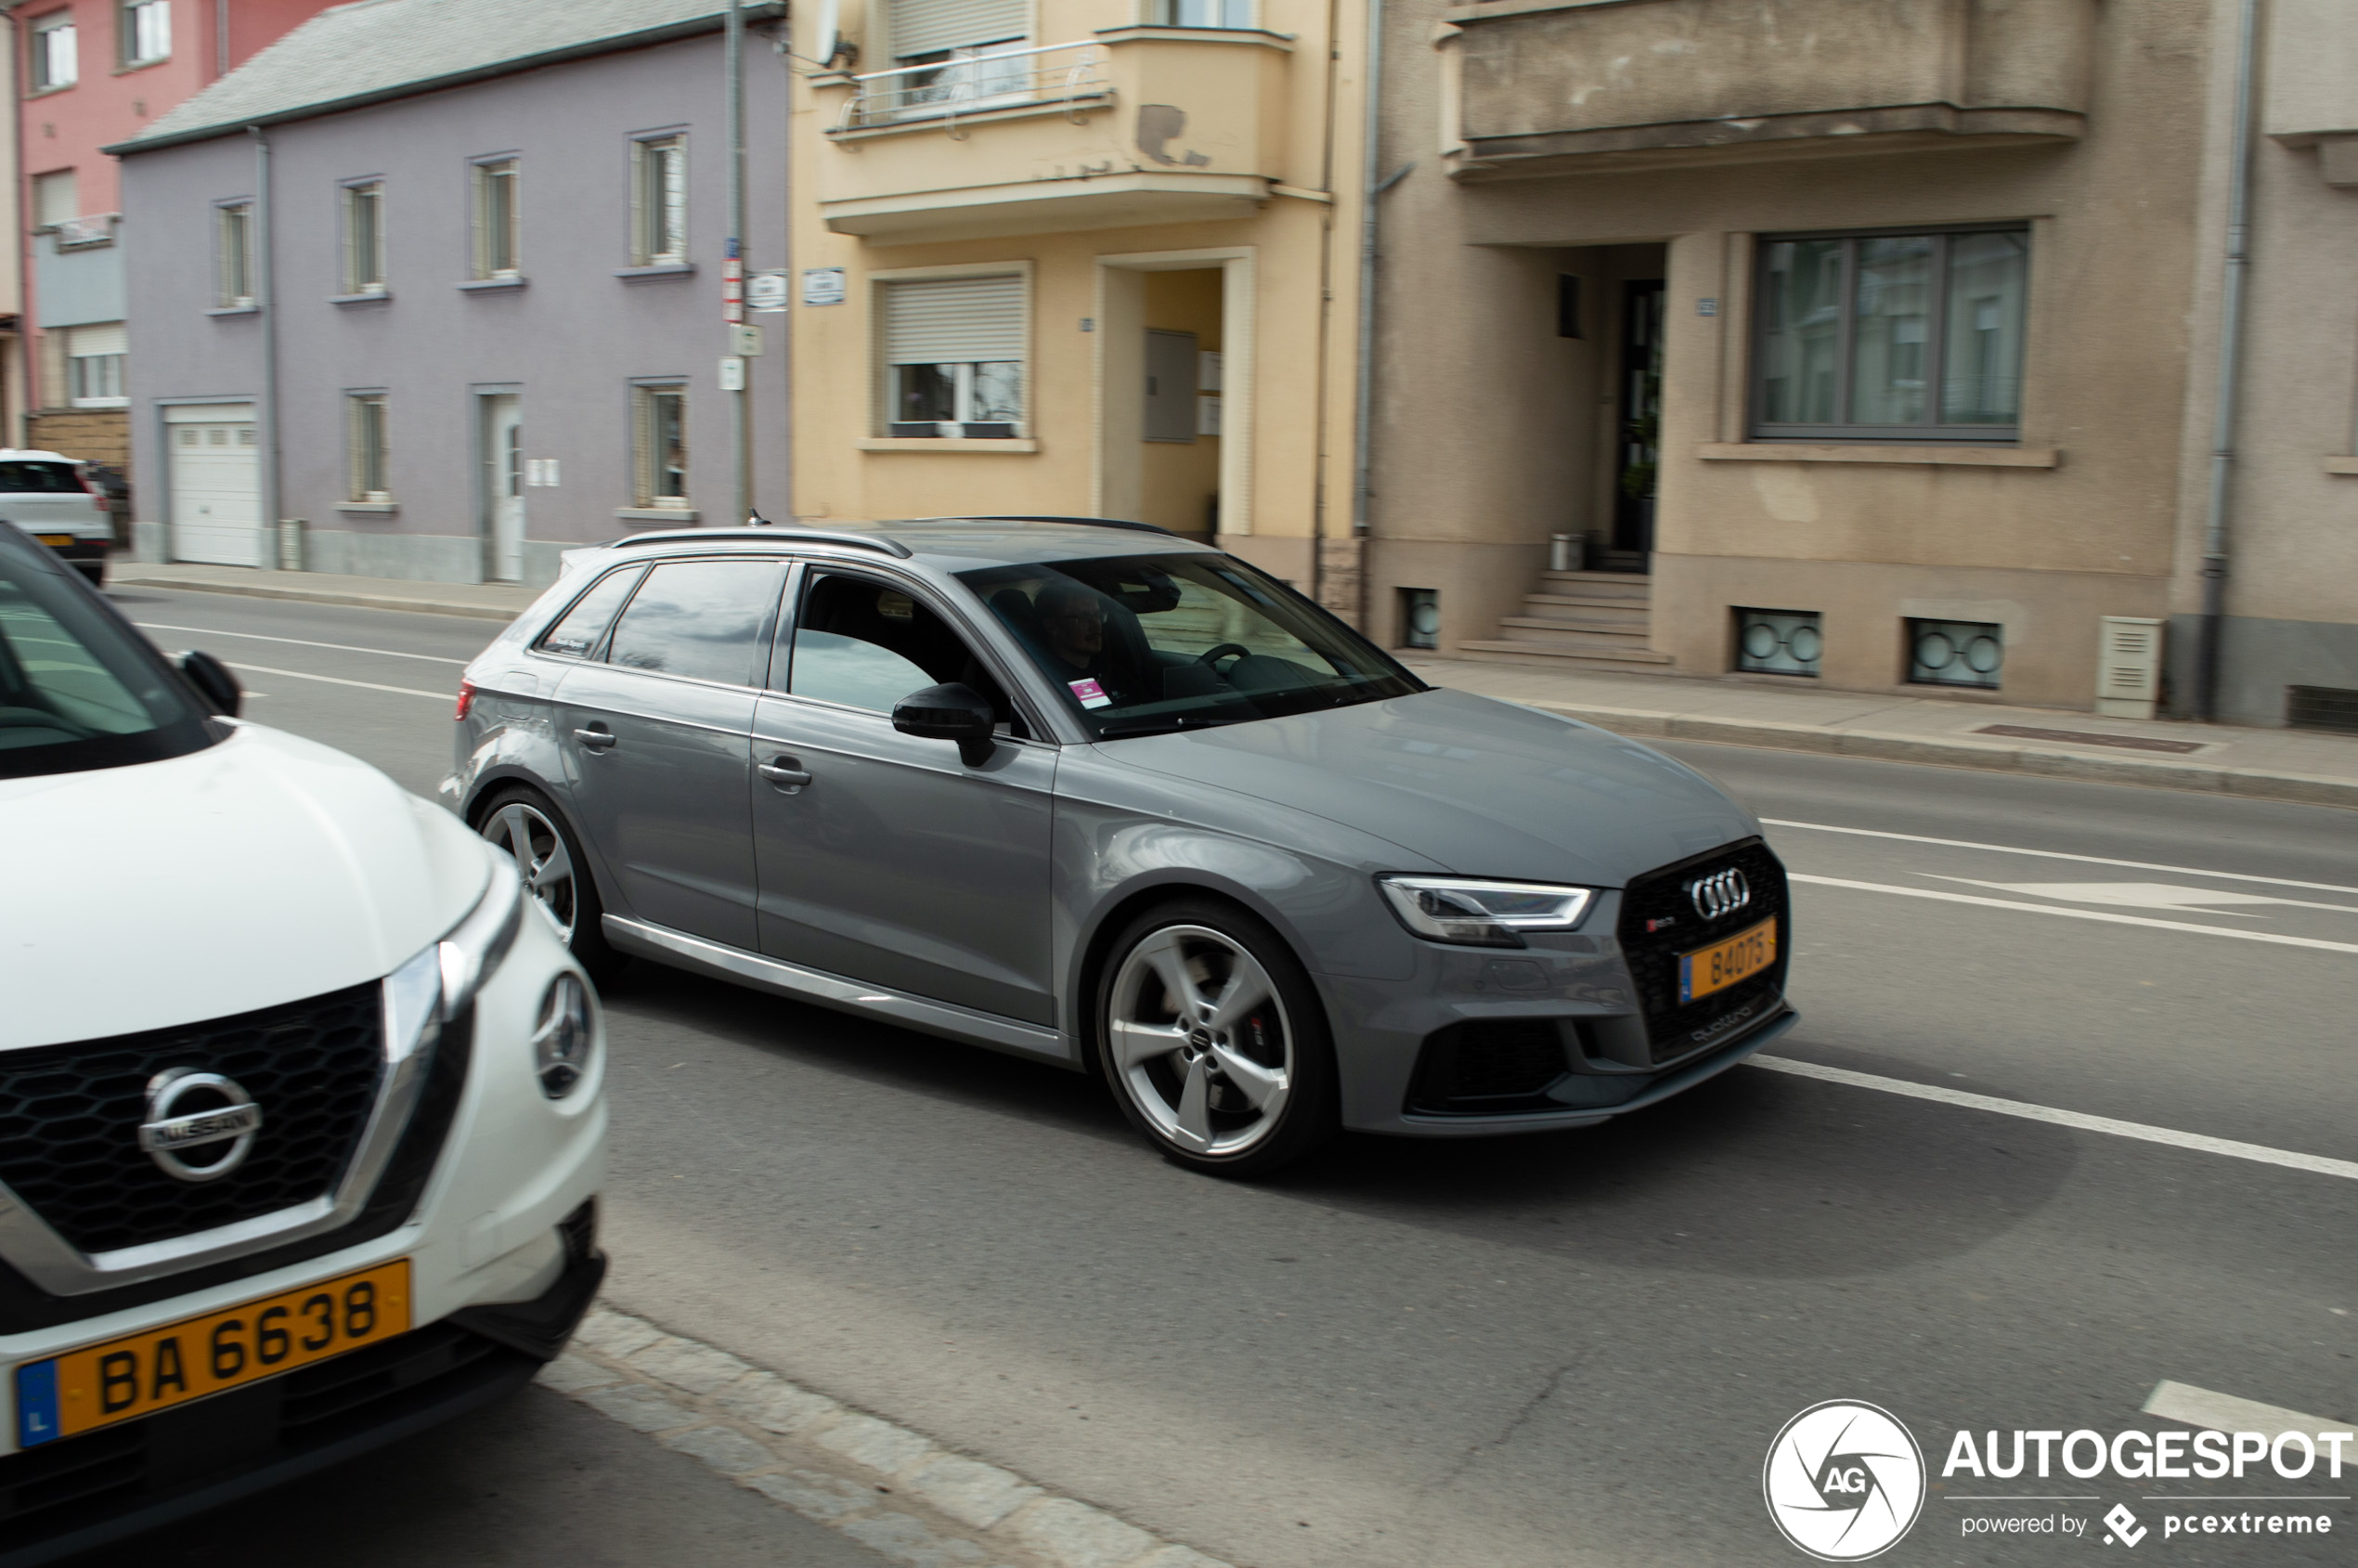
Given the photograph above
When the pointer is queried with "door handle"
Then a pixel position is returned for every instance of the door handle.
(785, 775)
(596, 740)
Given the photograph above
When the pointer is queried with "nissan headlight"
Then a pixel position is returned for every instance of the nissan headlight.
(437, 984)
(1475, 913)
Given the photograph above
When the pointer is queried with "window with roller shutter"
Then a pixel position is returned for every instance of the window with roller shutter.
(954, 355)
(959, 38)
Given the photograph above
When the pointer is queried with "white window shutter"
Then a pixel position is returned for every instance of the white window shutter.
(84, 343)
(954, 320)
(928, 27)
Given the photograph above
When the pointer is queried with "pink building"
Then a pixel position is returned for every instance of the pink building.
(89, 73)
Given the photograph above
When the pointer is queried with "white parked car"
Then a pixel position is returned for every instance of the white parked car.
(56, 500)
(301, 1111)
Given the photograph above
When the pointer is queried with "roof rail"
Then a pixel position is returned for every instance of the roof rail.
(1077, 522)
(771, 532)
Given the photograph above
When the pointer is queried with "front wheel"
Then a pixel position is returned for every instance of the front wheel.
(549, 859)
(1214, 1041)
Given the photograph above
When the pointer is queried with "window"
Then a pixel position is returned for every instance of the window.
(94, 366)
(366, 441)
(233, 255)
(56, 61)
(699, 618)
(1891, 337)
(144, 27)
(1956, 653)
(954, 357)
(1201, 13)
(961, 38)
(56, 198)
(364, 238)
(496, 252)
(659, 446)
(868, 644)
(577, 635)
(1779, 642)
(659, 201)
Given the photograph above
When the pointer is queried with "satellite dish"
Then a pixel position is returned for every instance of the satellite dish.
(830, 32)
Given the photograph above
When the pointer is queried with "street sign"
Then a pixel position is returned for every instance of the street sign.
(744, 340)
(733, 374)
(823, 285)
(766, 290)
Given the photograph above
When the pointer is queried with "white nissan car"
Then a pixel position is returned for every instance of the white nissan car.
(302, 1117)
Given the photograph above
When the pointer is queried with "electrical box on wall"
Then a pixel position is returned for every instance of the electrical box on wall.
(2127, 667)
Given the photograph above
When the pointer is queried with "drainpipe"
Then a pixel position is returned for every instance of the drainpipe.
(742, 441)
(266, 306)
(2231, 310)
(1370, 191)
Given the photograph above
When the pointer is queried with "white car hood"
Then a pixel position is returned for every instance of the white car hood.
(261, 870)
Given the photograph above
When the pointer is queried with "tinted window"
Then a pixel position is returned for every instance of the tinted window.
(703, 618)
(591, 615)
(868, 644)
(77, 689)
(1139, 643)
(39, 479)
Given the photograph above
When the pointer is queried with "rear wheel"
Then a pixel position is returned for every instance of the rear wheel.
(549, 859)
(1214, 1041)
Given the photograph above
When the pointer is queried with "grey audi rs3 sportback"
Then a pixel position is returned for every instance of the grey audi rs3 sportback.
(1088, 792)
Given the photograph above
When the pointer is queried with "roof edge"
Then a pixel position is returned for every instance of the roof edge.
(764, 10)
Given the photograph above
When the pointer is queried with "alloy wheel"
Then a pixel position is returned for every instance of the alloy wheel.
(541, 860)
(1199, 1038)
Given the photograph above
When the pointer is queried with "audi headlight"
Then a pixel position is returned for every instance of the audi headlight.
(1482, 914)
(567, 1035)
(444, 976)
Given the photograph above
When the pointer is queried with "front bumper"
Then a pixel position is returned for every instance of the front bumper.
(84, 1492)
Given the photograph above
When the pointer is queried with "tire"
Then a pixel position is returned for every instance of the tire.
(548, 856)
(1224, 1092)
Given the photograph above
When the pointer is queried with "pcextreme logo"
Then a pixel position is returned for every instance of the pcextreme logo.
(1843, 1480)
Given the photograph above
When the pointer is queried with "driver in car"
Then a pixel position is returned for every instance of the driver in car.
(1072, 618)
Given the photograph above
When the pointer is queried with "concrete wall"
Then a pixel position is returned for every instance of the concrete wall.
(1477, 395)
(570, 341)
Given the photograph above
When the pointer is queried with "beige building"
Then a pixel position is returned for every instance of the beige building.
(1872, 344)
(1081, 256)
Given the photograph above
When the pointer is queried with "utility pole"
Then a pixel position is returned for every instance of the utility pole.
(732, 271)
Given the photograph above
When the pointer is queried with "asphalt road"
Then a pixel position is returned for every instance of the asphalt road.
(1573, 1349)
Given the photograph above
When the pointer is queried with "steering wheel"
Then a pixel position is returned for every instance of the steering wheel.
(1209, 659)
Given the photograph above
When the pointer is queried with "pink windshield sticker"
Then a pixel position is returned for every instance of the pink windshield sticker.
(1091, 693)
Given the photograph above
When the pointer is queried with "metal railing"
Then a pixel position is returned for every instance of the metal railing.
(975, 81)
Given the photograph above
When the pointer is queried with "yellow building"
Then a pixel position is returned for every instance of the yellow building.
(1082, 256)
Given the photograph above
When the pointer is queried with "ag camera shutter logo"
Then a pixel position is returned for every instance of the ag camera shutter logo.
(1843, 1480)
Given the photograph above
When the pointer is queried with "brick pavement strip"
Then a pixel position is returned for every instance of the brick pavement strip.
(891, 1489)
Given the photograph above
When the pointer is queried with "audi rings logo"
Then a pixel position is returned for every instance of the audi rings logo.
(1723, 892)
(191, 1116)
(1845, 1481)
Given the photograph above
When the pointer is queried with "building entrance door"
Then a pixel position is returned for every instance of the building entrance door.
(1637, 451)
(503, 484)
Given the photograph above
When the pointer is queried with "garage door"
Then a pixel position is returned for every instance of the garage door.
(216, 484)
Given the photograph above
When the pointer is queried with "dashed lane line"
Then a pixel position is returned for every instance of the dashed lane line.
(2225, 1412)
(2058, 855)
(298, 642)
(340, 680)
(2315, 1164)
(2103, 918)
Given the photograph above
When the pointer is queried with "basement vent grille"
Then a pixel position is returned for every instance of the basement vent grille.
(2321, 707)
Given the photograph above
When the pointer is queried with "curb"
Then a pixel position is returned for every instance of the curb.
(319, 596)
(2309, 789)
(887, 1487)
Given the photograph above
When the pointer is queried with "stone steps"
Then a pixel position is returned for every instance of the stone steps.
(1588, 620)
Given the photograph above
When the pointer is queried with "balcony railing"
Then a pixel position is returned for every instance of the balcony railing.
(976, 82)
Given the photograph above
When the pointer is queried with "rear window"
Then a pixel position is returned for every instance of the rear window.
(39, 479)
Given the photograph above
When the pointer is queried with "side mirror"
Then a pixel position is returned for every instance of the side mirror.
(214, 682)
(948, 713)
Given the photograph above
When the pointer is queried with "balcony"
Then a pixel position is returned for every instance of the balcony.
(1562, 86)
(1134, 125)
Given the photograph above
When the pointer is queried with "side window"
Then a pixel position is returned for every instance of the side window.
(700, 619)
(867, 645)
(583, 625)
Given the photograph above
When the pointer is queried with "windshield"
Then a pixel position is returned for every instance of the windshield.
(77, 689)
(1145, 645)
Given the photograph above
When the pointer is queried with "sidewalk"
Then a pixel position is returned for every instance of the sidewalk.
(2300, 765)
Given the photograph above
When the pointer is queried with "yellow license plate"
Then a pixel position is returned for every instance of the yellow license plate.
(1724, 962)
(55, 538)
(140, 1374)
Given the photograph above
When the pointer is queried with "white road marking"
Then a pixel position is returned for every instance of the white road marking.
(298, 642)
(2276, 936)
(364, 685)
(2225, 1412)
(2316, 1164)
(2142, 894)
(2059, 855)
